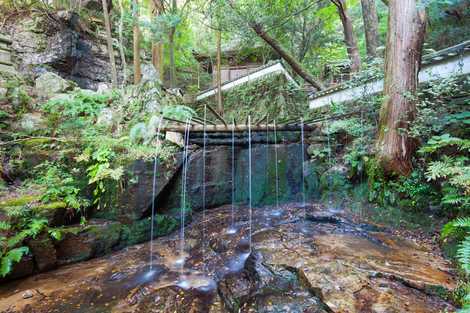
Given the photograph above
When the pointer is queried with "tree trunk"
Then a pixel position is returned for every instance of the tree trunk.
(349, 37)
(157, 50)
(109, 41)
(171, 48)
(136, 45)
(220, 106)
(371, 25)
(121, 44)
(296, 67)
(406, 29)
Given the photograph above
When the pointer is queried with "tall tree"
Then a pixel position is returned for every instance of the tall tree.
(406, 30)
(157, 47)
(121, 44)
(171, 47)
(349, 36)
(136, 42)
(109, 41)
(278, 48)
(371, 25)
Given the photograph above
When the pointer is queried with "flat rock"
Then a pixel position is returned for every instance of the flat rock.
(315, 266)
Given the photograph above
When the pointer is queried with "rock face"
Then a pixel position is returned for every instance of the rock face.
(218, 182)
(63, 46)
(133, 201)
(324, 263)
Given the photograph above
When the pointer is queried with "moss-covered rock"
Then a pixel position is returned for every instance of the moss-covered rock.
(139, 231)
(218, 179)
(43, 251)
(131, 202)
(82, 243)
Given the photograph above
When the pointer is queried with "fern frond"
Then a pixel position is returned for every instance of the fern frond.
(463, 254)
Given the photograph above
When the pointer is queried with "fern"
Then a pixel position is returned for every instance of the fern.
(455, 226)
(463, 254)
(11, 257)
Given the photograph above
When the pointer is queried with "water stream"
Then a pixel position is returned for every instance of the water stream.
(277, 212)
(204, 139)
(330, 185)
(249, 180)
(232, 229)
(183, 192)
(154, 186)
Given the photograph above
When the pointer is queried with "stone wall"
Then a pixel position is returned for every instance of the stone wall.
(6, 65)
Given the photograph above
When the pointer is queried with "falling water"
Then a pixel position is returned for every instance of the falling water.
(302, 152)
(249, 179)
(183, 189)
(276, 169)
(303, 161)
(154, 186)
(204, 189)
(330, 200)
(268, 189)
(232, 229)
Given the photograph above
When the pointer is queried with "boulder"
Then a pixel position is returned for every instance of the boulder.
(31, 122)
(108, 117)
(134, 200)
(43, 251)
(49, 84)
(23, 268)
(149, 73)
(82, 243)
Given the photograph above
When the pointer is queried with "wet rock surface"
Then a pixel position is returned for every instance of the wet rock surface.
(218, 178)
(323, 263)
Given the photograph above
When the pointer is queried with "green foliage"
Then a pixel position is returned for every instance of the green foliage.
(459, 229)
(12, 256)
(22, 224)
(59, 185)
(274, 96)
(442, 141)
(17, 95)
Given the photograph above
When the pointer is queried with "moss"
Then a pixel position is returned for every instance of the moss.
(51, 206)
(105, 236)
(139, 231)
(439, 291)
(36, 141)
(19, 201)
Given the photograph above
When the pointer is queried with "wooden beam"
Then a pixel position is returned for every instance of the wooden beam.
(238, 128)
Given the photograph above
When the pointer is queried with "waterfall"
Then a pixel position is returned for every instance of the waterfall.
(154, 187)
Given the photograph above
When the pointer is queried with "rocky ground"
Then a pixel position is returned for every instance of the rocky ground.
(325, 263)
